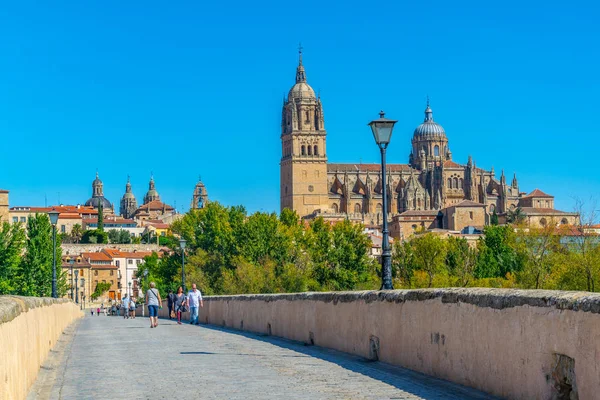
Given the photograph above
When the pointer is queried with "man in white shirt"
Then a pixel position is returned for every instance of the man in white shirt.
(125, 307)
(194, 299)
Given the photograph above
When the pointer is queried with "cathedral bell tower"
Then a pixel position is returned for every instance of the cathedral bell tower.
(303, 166)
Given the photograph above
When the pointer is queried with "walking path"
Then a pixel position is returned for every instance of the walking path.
(113, 358)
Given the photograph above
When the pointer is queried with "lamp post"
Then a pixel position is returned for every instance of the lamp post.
(382, 132)
(76, 287)
(53, 215)
(72, 262)
(83, 296)
(145, 274)
(130, 292)
(182, 243)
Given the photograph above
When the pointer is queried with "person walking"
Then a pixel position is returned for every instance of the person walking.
(179, 303)
(125, 307)
(194, 299)
(132, 307)
(98, 312)
(153, 301)
(170, 302)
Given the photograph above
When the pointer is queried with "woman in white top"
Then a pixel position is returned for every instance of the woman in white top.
(153, 301)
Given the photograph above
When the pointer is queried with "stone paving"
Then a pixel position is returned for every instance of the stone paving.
(113, 358)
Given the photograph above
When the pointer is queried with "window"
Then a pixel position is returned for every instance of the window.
(334, 208)
(379, 208)
(130, 262)
(414, 227)
(471, 215)
(23, 219)
(449, 183)
(118, 263)
(564, 221)
(112, 273)
(112, 283)
(96, 273)
(81, 272)
(455, 183)
(547, 204)
(316, 150)
(103, 280)
(15, 220)
(543, 222)
(357, 208)
(303, 150)
(436, 150)
(309, 150)
(461, 183)
(63, 229)
(137, 262)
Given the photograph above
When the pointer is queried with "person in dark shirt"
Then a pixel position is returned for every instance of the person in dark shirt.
(170, 302)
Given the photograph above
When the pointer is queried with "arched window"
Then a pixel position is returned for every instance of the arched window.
(334, 208)
(310, 150)
(316, 150)
(414, 227)
(436, 150)
(449, 183)
(492, 208)
(379, 208)
(543, 222)
(357, 208)
(461, 183)
(455, 183)
(303, 150)
(564, 221)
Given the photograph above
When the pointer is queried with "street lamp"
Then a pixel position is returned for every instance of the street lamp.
(53, 215)
(76, 287)
(130, 292)
(145, 274)
(83, 295)
(382, 132)
(182, 243)
(72, 262)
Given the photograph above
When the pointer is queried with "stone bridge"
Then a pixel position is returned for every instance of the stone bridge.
(418, 344)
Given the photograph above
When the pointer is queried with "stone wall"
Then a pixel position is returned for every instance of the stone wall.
(76, 249)
(514, 344)
(29, 328)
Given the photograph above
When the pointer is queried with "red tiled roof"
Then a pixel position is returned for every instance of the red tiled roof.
(3, 191)
(451, 164)
(366, 167)
(419, 213)
(155, 205)
(467, 203)
(544, 211)
(137, 254)
(97, 256)
(538, 193)
(68, 215)
(162, 225)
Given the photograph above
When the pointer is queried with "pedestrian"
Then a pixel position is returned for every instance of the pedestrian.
(170, 303)
(125, 307)
(180, 304)
(132, 307)
(118, 309)
(92, 311)
(98, 311)
(154, 302)
(194, 298)
(113, 309)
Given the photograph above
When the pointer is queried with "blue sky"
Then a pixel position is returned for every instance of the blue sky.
(183, 89)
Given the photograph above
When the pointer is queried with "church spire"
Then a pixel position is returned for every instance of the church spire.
(300, 73)
(515, 184)
(428, 112)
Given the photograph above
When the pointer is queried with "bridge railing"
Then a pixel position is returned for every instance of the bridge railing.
(518, 344)
(29, 328)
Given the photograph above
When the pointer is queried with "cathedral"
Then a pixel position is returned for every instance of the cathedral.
(430, 191)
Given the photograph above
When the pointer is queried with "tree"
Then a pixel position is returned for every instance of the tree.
(494, 219)
(515, 216)
(76, 233)
(586, 245)
(35, 270)
(120, 236)
(94, 236)
(403, 262)
(498, 253)
(430, 253)
(100, 217)
(12, 240)
(461, 259)
(101, 288)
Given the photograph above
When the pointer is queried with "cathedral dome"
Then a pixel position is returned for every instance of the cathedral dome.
(96, 201)
(301, 90)
(429, 127)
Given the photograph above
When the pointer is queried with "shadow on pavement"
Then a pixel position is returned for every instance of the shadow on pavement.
(412, 382)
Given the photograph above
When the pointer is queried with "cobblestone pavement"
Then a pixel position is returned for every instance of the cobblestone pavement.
(113, 358)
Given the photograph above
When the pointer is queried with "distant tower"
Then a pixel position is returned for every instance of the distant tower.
(128, 202)
(303, 166)
(429, 142)
(98, 196)
(152, 194)
(200, 197)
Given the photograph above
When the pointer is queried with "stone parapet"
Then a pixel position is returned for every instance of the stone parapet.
(29, 328)
(78, 248)
(516, 344)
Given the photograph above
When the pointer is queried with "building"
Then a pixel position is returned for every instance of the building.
(112, 222)
(431, 191)
(98, 198)
(4, 211)
(68, 217)
(84, 282)
(128, 202)
(153, 207)
(200, 196)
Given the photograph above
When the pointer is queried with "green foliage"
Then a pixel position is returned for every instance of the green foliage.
(498, 253)
(429, 255)
(76, 233)
(120, 236)
(101, 218)
(12, 240)
(461, 260)
(494, 219)
(101, 288)
(94, 236)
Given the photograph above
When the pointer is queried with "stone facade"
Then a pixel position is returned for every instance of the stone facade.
(128, 202)
(431, 180)
(4, 212)
(200, 196)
